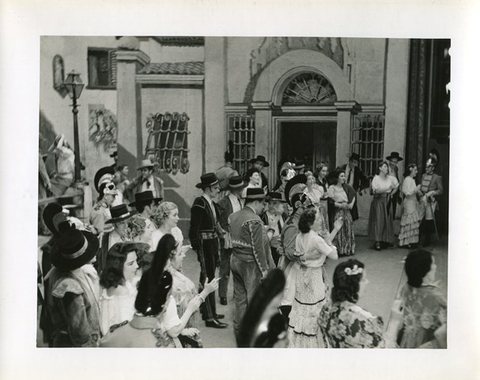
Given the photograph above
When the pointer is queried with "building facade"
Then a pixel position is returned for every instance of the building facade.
(180, 100)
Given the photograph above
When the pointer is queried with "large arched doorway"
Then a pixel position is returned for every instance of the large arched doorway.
(309, 137)
(303, 108)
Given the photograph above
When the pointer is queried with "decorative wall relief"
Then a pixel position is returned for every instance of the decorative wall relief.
(59, 75)
(103, 128)
(273, 47)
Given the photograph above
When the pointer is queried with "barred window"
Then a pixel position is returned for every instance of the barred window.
(167, 142)
(367, 136)
(102, 68)
(241, 130)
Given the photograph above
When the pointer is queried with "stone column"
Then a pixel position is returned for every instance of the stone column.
(396, 98)
(345, 111)
(265, 141)
(130, 144)
(215, 138)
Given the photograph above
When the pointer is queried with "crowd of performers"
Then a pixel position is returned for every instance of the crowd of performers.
(117, 281)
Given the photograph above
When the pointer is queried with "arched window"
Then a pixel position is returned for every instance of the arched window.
(309, 88)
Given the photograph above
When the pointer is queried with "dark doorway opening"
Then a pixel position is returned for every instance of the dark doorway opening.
(313, 142)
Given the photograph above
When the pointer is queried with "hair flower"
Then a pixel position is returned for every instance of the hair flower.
(353, 271)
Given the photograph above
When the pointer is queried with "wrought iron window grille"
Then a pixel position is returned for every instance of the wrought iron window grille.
(167, 142)
(241, 130)
(367, 139)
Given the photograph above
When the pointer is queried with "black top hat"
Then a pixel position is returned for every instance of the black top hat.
(296, 185)
(274, 196)
(103, 175)
(145, 196)
(354, 156)
(252, 332)
(236, 182)
(74, 249)
(207, 180)
(261, 159)
(255, 194)
(120, 213)
(395, 155)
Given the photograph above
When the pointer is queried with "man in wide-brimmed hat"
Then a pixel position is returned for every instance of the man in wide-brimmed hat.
(356, 178)
(120, 215)
(73, 292)
(251, 257)
(274, 219)
(393, 159)
(146, 181)
(230, 203)
(226, 171)
(145, 204)
(259, 163)
(204, 238)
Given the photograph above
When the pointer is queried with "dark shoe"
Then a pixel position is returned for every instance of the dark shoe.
(216, 324)
(219, 316)
(223, 301)
(378, 247)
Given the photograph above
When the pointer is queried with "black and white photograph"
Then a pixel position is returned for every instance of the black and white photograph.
(242, 193)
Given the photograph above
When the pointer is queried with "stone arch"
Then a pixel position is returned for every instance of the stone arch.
(280, 72)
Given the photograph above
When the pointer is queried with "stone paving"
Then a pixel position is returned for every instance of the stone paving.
(384, 270)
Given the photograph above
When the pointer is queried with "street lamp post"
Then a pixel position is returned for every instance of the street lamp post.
(74, 86)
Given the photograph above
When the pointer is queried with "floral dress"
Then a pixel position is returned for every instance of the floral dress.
(310, 291)
(345, 238)
(347, 325)
(410, 221)
(425, 310)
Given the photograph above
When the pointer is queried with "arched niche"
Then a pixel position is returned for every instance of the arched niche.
(276, 76)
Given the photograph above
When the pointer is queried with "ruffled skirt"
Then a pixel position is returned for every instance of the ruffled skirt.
(409, 228)
(310, 296)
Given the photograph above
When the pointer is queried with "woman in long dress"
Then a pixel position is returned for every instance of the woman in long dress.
(311, 287)
(425, 307)
(344, 324)
(343, 198)
(380, 221)
(410, 221)
(321, 177)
